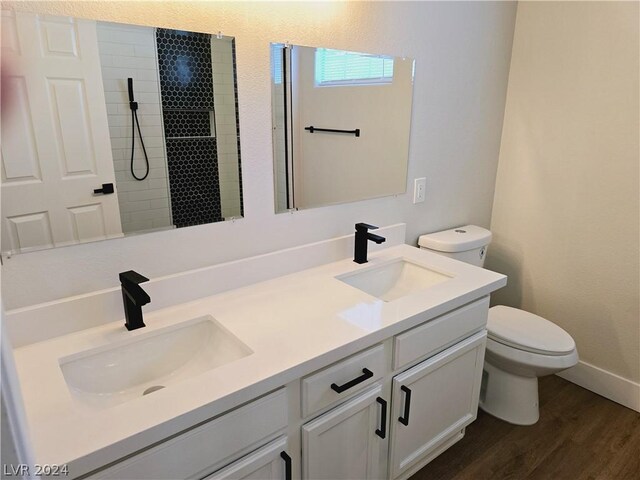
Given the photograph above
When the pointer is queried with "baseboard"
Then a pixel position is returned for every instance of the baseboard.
(609, 385)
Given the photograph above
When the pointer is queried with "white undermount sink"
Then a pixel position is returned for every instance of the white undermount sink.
(394, 279)
(118, 372)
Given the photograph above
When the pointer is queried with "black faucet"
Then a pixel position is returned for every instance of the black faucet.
(134, 298)
(362, 239)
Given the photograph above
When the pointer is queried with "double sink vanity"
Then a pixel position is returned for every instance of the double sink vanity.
(295, 364)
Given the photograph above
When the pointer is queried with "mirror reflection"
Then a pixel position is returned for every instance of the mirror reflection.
(341, 123)
(113, 130)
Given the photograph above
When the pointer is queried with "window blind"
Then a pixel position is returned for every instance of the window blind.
(276, 63)
(337, 67)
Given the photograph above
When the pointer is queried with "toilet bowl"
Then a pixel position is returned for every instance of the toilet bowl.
(521, 346)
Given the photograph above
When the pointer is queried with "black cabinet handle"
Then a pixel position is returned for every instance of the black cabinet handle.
(366, 374)
(382, 431)
(404, 419)
(106, 189)
(287, 465)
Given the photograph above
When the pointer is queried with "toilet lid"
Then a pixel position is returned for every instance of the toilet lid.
(526, 331)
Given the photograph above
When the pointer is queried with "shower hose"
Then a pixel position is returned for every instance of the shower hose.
(134, 122)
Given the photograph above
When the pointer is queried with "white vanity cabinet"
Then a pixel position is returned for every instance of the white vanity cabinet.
(435, 387)
(383, 412)
(433, 402)
(348, 441)
(318, 372)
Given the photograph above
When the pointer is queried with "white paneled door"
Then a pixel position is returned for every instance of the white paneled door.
(55, 137)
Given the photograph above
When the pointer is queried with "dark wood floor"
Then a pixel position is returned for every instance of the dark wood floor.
(580, 435)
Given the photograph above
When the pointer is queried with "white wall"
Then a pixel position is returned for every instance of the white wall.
(566, 208)
(462, 52)
(130, 51)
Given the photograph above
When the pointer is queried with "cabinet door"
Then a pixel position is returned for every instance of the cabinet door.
(346, 442)
(435, 400)
(270, 462)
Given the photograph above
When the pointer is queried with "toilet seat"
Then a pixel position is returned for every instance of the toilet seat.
(527, 363)
(525, 331)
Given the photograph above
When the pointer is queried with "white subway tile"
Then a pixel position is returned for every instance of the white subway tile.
(159, 203)
(158, 172)
(161, 222)
(118, 143)
(148, 194)
(147, 120)
(114, 97)
(146, 97)
(146, 86)
(158, 183)
(149, 214)
(137, 226)
(150, 75)
(131, 207)
(145, 51)
(115, 49)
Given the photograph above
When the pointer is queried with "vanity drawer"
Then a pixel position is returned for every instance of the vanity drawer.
(347, 377)
(441, 332)
(208, 447)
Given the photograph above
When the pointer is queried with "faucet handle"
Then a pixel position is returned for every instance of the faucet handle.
(132, 277)
(364, 227)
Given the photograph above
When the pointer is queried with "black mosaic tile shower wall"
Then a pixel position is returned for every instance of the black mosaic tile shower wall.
(182, 123)
(184, 61)
(193, 175)
(186, 88)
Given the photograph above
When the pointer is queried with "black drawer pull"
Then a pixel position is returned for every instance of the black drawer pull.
(382, 431)
(366, 374)
(404, 419)
(287, 465)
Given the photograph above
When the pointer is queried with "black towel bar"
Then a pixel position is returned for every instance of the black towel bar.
(312, 129)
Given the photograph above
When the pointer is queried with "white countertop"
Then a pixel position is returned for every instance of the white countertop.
(294, 324)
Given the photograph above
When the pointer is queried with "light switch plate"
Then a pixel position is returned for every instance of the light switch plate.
(419, 189)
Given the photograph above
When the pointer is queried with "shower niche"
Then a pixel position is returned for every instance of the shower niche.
(150, 112)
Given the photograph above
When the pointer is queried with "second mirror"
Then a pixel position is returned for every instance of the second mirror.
(341, 123)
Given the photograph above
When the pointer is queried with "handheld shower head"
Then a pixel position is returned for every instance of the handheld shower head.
(130, 85)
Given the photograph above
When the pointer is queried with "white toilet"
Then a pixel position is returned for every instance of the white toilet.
(521, 346)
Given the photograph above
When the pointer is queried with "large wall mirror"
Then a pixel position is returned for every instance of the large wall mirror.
(113, 130)
(341, 124)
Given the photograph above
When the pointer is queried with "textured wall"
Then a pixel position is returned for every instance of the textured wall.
(565, 218)
(462, 52)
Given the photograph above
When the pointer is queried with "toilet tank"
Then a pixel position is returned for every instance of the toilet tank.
(467, 244)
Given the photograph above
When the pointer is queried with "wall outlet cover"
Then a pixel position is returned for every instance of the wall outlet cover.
(419, 189)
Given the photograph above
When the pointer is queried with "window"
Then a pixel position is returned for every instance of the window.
(276, 63)
(337, 67)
